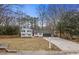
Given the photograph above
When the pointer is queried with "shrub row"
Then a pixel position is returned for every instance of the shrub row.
(9, 30)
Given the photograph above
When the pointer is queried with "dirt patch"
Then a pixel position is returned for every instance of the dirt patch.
(75, 40)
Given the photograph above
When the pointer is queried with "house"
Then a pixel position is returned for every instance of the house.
(38, 34)
(26, 30)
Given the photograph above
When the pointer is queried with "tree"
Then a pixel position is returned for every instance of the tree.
(42, 15)
(7, 17)
(52, 15)
(34, 25)
(69, 23)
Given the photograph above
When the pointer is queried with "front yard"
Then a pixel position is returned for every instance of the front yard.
(28, 44)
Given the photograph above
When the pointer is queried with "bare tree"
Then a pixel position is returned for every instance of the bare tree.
(55, 14)
(42, 13)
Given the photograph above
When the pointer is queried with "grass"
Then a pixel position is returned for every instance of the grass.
(28, 44)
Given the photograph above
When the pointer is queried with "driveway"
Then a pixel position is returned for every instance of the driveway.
(64, 45)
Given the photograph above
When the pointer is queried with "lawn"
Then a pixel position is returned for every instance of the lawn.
(28, 44)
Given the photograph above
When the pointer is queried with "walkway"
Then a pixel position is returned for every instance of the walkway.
(64, 45)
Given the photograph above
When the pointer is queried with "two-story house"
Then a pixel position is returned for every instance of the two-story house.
(26, 30)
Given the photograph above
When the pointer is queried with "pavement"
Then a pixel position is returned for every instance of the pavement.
(42, 53)
(64, 45)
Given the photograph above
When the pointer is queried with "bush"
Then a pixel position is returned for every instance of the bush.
(9, 30)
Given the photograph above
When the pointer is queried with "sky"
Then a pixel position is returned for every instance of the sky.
(30, 9)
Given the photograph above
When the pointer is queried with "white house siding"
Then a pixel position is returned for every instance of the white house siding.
(38, 34)
(26, 31)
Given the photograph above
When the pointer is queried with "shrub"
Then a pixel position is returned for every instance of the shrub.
(9, 30)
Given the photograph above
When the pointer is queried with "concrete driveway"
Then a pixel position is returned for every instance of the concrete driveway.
(64, 45)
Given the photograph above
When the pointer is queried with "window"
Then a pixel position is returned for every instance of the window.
(24, 27)
(23, 34)
(28, 30)
(29, 34)
(23, 31)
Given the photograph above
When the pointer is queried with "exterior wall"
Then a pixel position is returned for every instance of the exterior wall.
(26, 32)
(38, 34)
